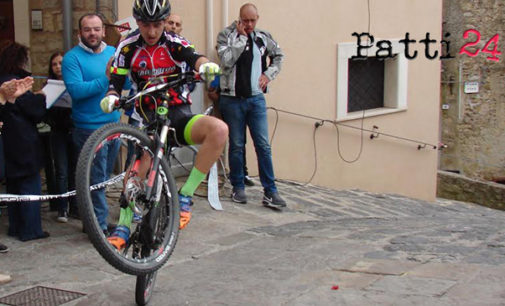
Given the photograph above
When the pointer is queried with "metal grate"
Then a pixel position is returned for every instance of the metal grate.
(40, 296)
(366, 84)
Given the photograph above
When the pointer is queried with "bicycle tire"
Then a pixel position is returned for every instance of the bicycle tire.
(130, 264)
(144, 288)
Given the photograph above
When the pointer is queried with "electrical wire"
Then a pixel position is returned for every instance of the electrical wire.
(315, 156)
(375, 132)
(320, 122)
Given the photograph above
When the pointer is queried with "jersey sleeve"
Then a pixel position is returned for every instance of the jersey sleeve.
(182, 50)
(120, 67)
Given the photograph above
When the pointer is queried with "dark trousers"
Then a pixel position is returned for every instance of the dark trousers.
(49, 169)
(65, 160)
(24, 217)
(2, 159)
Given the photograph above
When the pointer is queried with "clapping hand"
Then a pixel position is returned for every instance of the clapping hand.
(14, 88)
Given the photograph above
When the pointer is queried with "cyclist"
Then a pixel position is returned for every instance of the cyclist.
(152, 52)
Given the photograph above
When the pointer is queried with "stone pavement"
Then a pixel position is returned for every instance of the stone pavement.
(377, 249)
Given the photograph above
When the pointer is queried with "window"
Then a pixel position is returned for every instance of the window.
(375, 85)
(365, 84)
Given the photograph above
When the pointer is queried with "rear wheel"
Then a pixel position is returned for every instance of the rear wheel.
(144, 288)
(154, 234)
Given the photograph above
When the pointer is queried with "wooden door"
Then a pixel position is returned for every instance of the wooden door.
(6, 20)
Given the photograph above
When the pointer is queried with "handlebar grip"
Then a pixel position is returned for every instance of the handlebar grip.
(109, 104)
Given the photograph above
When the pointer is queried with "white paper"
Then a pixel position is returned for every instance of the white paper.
(53, 90)
(126, 23)
(213, 189)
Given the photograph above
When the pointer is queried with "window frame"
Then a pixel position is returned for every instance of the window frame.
(395, 81)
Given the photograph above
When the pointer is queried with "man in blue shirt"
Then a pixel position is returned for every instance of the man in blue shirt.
(84, 74)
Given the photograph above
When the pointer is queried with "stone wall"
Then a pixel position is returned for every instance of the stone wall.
(461, 188)
(474, 127)
(50, 39)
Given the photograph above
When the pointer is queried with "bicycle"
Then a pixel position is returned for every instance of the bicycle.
(155, 227)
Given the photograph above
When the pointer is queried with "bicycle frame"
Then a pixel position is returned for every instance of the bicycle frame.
(161, 113)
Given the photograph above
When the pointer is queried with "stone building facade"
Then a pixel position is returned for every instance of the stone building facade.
(472, 124)
(45, 42)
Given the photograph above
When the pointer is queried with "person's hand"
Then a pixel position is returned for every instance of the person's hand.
(241, 28)
(107, 104)
(208, 71)
(22, 86)
(263, 82)
(213, 94)
(14, 88)
(109, 64)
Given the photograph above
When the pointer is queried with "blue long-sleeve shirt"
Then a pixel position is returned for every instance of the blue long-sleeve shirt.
(86, 82)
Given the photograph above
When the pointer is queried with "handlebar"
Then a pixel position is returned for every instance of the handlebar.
(162, 82)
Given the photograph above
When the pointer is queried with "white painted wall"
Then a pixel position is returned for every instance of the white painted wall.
(22, 22)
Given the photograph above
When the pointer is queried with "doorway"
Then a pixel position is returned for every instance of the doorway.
(6, 20)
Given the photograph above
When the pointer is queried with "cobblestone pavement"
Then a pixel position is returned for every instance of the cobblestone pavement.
(378, 249)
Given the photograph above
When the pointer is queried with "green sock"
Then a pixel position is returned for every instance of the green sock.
(194, 180)
(125, 217)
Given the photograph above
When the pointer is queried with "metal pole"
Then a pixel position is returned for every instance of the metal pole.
(67, 25)
(224, 12)
(114, 11)
(460, 88)
(210, 27)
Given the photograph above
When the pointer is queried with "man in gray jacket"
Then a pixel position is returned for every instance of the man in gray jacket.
(244, 51)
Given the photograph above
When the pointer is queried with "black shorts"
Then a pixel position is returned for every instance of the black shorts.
(179, 116)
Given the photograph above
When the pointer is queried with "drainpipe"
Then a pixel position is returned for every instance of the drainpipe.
(114, 10)
(224, 14)
(67, 25)
(97, 6)
(460, 89)
(210, 27)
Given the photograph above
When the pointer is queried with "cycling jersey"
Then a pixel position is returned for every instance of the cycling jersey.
(141, 62)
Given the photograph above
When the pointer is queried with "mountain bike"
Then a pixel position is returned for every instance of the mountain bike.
(154, 203)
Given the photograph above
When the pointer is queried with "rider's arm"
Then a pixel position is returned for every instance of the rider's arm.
(119, 70)
(184, 52)
(230, 45)
(116, 84)
(200, 61)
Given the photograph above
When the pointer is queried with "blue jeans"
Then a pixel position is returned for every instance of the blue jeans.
(64, 166)
(102, 167)
(239, 113)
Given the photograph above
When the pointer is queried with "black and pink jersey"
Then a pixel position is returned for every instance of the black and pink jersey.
(141, 62)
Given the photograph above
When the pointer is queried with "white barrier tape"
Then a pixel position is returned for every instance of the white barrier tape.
(32, 198)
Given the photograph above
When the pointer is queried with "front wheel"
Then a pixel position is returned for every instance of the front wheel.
(99, 186)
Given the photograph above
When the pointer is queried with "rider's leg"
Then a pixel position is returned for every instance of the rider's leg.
(132, 184)
(211, 133)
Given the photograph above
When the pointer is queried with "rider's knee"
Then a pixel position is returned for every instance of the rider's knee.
(220, 131)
